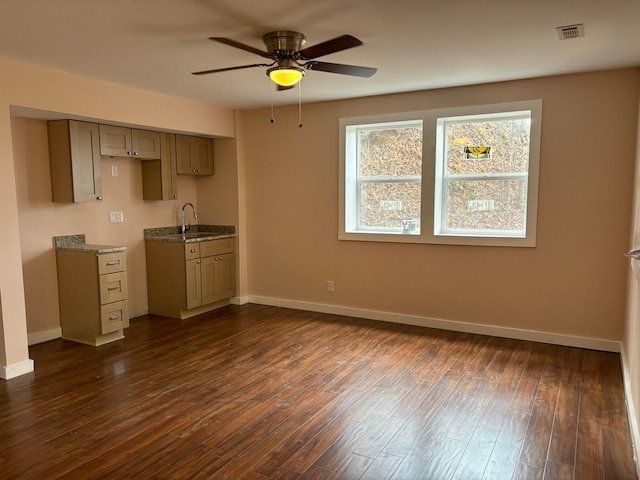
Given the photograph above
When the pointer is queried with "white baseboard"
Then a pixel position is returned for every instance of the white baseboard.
(44, 336)
(493, 330)
(17, 369)
(631, 411)
(240, 300)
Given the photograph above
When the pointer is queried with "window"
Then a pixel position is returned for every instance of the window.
(460, 176)
(384, 180)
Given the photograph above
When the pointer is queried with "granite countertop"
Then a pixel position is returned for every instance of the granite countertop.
(197, 233)
(77, 243)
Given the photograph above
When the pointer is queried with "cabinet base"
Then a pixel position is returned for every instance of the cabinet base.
(203, 309)
(99, 339)
(183, 314)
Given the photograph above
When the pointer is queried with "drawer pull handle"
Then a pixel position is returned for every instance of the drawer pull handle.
(111, 289)
(113, 263)
(115, 317)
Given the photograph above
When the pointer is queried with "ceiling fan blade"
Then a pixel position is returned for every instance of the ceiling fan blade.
(227, 69)
(241, 46)
(340, 68)
(330, 46)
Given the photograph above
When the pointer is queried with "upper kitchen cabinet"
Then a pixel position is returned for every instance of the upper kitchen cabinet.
(129, 142)
(159, 177)
(74, 157)
(194, 155)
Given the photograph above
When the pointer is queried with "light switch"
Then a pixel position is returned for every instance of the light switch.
(114, 170)
(116, 217)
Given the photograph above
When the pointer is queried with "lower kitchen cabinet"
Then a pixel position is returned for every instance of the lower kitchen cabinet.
(92, 292)
(189, 278)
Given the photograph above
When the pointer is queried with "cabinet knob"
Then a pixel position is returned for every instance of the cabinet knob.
(193, 250)
(114, 317)
(198, 261)
(129, 153)
(135, 153)
(99, 197)
(175, 196)
(193, 170)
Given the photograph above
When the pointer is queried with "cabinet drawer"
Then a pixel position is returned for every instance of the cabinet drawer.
(217, 247)
(112, 262)
(113, 287)
(191, 250)
(114, 317)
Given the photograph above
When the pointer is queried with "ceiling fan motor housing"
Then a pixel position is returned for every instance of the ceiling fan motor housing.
(284, 42)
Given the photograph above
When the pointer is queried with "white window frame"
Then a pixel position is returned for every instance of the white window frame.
(430, 232)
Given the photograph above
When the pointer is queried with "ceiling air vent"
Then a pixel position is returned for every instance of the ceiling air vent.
(570, 31)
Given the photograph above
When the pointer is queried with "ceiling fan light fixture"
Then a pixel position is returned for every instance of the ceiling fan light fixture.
(285, 76)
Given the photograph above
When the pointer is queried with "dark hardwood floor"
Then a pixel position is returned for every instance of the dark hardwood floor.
(257, 392)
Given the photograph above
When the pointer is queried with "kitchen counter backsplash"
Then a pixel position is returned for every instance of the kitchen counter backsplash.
(213, 229)
(79, 243)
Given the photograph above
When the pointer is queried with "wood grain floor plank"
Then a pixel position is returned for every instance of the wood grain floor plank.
(558, 471)
(382, 468)
(528, 472)
(256, 392)
(536, 442)
(476, 456)
(364, 425)
(445, 460)
(412, 429)
(589, 458)
(617, 452)
(564, 435)
(413, 464)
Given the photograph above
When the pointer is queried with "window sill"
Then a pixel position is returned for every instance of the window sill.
(485, 241)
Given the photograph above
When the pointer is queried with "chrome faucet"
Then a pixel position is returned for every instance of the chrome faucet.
(183, 227)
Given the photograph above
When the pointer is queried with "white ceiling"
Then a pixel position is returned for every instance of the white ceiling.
(415, 44)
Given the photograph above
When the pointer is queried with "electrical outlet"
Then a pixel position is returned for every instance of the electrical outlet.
(116, 217)
(330, 286)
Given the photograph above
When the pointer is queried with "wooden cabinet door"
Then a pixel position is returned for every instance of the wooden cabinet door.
(168, 166)
(193, 283)
(126, 142)
(218, 278)
(209, 265)
(85, 162)
(225, 274)
(183, 156)
(115, 141)
(74, 156)
(159, 177)
(194, 155)
(146, 144)
(203, 151)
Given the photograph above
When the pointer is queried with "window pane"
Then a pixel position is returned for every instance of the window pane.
(385, 152)
(387, 205)
(507, 138)
(487, 206)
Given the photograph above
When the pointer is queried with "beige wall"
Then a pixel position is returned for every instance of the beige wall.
(26, 88)
(574, 281)
(631, 350)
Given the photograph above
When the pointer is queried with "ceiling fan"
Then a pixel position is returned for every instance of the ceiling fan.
(290, 59)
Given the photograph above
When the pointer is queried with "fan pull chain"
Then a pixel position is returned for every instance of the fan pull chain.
(273, 87)
(300, 104)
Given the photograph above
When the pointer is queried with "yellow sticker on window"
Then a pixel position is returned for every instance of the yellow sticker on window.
(476, 153)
